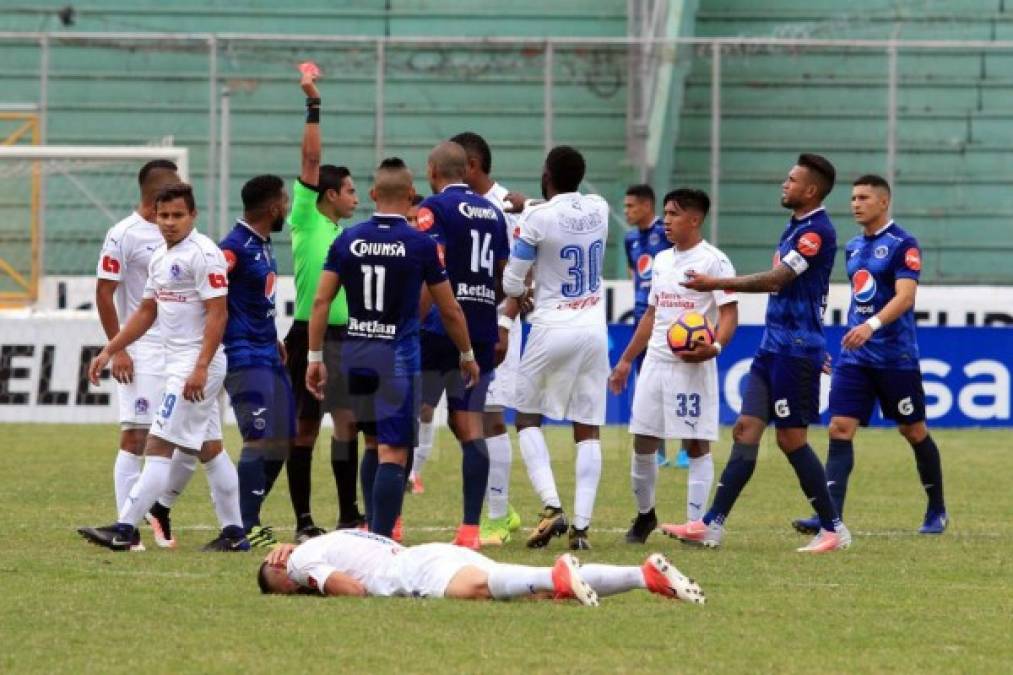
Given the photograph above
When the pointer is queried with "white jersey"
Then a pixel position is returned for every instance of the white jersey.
(366, 557)
(180, 279)
(569, 233)
(496, 195)
(670, 299)
(125, 256)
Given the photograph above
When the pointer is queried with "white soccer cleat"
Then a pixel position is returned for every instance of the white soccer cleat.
(567, 582)
(661, 577)
(827, 541)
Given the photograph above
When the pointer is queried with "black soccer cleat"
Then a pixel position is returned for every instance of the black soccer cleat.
(551, 523)
(230, 540)
(115, 537)
(161, 526)
(809, 526)
(307, 532)
(578, 539)
(641, 528)
(356, 523)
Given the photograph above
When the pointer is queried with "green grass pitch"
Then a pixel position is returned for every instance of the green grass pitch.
(895, 602)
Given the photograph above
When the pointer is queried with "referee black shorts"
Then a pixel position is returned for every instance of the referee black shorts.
(336, 392)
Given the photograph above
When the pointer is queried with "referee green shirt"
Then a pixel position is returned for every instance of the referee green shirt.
(312, 236)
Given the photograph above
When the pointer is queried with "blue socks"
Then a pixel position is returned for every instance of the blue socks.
(474, 478)
(736, 474)
(813, 481)
(930, 470)
(388, 493)
(367, 475)
(840, 461)
(252, 486)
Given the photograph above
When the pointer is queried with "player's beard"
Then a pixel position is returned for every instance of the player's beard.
(787, 203)
(278, 224)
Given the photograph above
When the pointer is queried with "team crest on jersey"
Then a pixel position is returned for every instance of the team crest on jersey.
(175, 270)
(913, 259)
(269, 286)
(645, 263)
(809, 244)
(141, 406)
(425, 219)
(863, 286)
(881, 252)
(653, 239)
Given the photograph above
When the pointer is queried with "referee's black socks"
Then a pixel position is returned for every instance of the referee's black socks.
(345, 465)
(300, 472)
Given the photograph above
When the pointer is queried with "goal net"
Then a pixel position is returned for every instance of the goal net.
(56, 203)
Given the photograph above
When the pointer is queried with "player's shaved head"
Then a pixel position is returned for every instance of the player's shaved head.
(448, 161)
(392, 185)
(154, 176)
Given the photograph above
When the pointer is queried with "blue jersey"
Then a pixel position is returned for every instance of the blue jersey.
(382, 264)
(250, 334)
(472, 233)
(874, 265)
(794, 323)
(641, 247)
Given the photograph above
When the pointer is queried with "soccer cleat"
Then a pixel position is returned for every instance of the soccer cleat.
(810, 525)
(467, 537)
(115, 537)
(578, 539)
(357, 523)
(568, 584)
(230, 540)
(416, 484)
(397, 534)
(161, 526)
(260, 536)
(494, 531)
(551, 524)
(935, 523)
(661, 577)
(641, 528)
(514, 518)
(307, 532)
(827, 541)
(681, 460)
(661, 459)
(695, 532)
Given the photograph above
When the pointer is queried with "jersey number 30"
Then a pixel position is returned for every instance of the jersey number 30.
(585, 269)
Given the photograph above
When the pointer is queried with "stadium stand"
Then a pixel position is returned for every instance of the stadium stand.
(954, 114)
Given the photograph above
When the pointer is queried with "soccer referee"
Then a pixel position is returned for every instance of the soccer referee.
(321, 196)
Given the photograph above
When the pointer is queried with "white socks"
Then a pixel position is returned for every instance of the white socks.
(643, 478)
(588, 475)
(498, 489)
(180, 472)
(126, 471)
(612, 579)
(535, 453)
(511, 581)
(224, 482)
(427, 431)
(149, 487)
(698, 486)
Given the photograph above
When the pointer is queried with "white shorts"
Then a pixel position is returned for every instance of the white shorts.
(503, 387)
(425, 571)
(188, 423)
(676, 400)
(563, 374)
(138, 400)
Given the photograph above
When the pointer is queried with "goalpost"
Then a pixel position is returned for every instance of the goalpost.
(56, 203)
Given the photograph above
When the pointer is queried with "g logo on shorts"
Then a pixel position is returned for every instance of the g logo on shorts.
(905, 406)
(781, 408)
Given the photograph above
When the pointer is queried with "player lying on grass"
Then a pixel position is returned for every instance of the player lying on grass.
(357, 563)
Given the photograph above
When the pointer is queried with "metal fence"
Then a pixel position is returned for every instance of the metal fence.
(932, 116)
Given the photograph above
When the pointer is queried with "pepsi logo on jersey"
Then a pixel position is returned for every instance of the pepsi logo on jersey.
(645, 263)
(863, 286)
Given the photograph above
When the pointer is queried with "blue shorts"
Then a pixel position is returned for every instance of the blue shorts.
(441, 371)
(262, 400)
(855, 389)
(785, 389)
(390, 403)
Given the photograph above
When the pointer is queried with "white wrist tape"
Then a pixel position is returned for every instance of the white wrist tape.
(505, 322)
(874, 323)
(315, 356)
(468, 356)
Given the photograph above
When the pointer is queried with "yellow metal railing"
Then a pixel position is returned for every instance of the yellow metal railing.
(28, 287)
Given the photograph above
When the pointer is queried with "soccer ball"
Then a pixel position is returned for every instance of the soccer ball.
(689, 328)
